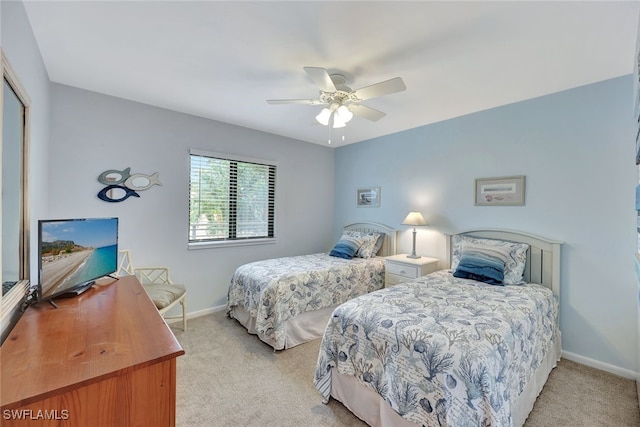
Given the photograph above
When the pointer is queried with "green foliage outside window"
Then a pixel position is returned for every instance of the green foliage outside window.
(230, 199)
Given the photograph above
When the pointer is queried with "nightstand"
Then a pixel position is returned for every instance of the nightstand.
(399, 268)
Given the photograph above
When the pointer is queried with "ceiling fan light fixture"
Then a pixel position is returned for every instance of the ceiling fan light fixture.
(343, 102)
(337, 122)
(343, 114)
(340, 115)
(323, 116)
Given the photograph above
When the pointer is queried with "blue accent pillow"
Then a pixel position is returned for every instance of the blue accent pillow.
(514, 255)
(481, 267)
(347, 247)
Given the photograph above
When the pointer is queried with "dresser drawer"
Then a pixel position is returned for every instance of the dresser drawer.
(410, 271)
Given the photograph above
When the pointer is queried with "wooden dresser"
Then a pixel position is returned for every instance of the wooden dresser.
(104, 358)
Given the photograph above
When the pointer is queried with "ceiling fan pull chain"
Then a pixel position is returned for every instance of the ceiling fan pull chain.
(330, 132)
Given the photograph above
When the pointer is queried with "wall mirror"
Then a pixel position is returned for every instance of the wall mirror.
(140, 182)
(14, 201)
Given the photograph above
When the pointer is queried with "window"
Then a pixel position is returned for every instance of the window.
(231, 199)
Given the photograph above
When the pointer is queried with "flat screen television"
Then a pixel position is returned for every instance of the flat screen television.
(73, 253)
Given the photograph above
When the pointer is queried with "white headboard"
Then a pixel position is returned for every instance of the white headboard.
(389, 244)
(543, 256)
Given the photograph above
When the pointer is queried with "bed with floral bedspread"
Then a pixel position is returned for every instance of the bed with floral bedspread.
(442, 350)
(275, 291)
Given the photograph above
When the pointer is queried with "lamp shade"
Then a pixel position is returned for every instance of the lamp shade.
(414, 218)
(337, 123)
(323, 116)
(341, 115)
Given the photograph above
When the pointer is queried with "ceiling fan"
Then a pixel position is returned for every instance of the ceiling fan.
(342, 103)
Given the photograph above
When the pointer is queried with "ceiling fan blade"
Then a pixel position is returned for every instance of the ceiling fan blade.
(321, 78)
(296, 101)
(366, 112)
(380, 89)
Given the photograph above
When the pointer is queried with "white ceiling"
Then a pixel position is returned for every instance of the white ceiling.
(223, 60)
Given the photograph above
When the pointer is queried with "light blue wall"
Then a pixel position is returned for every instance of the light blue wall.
(576, 149)
(91, 133)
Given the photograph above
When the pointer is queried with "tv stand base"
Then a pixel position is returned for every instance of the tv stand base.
(73, 293)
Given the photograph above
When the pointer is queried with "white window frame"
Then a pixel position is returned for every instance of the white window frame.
(237, 241)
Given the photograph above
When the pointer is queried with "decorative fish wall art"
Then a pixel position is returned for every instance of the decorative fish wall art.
(122, 184)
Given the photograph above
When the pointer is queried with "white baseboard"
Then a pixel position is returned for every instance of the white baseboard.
(198, 313)
(616, 370)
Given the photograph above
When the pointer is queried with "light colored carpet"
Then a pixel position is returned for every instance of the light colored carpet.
(230, 378)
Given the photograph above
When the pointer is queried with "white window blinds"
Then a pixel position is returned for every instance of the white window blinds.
(230, 198)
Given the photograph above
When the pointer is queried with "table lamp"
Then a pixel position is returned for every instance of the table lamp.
(415, 219)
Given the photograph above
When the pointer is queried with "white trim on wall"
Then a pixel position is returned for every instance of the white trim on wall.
(617, 370)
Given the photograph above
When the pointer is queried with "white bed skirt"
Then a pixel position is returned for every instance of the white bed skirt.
(372, 409)
(304, 327)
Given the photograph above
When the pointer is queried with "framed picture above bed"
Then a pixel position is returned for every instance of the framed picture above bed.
(501, 191)
(368, 197)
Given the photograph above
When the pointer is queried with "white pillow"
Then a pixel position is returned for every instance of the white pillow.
(371, 245)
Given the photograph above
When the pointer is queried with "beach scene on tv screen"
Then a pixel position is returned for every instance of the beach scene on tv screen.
(76, 252)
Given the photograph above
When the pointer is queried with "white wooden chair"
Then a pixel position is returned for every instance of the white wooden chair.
(156, 281)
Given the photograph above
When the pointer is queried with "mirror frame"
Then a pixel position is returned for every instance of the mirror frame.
(11, 301)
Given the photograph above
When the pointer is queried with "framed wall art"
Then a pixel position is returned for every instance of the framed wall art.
(501, 191)
(368, 197)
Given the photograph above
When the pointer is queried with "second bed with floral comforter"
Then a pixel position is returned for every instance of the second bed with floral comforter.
(276, 290)
(442, 350)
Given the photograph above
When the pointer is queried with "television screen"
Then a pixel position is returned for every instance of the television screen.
(75, 252)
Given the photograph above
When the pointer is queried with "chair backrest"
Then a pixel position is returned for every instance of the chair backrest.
(147, 275)
(125, 267)
(153, 275)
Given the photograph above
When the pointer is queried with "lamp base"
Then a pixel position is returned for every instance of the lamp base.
(413, 248)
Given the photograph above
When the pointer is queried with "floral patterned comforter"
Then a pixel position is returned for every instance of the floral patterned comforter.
(441, 350)
(276, 290)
